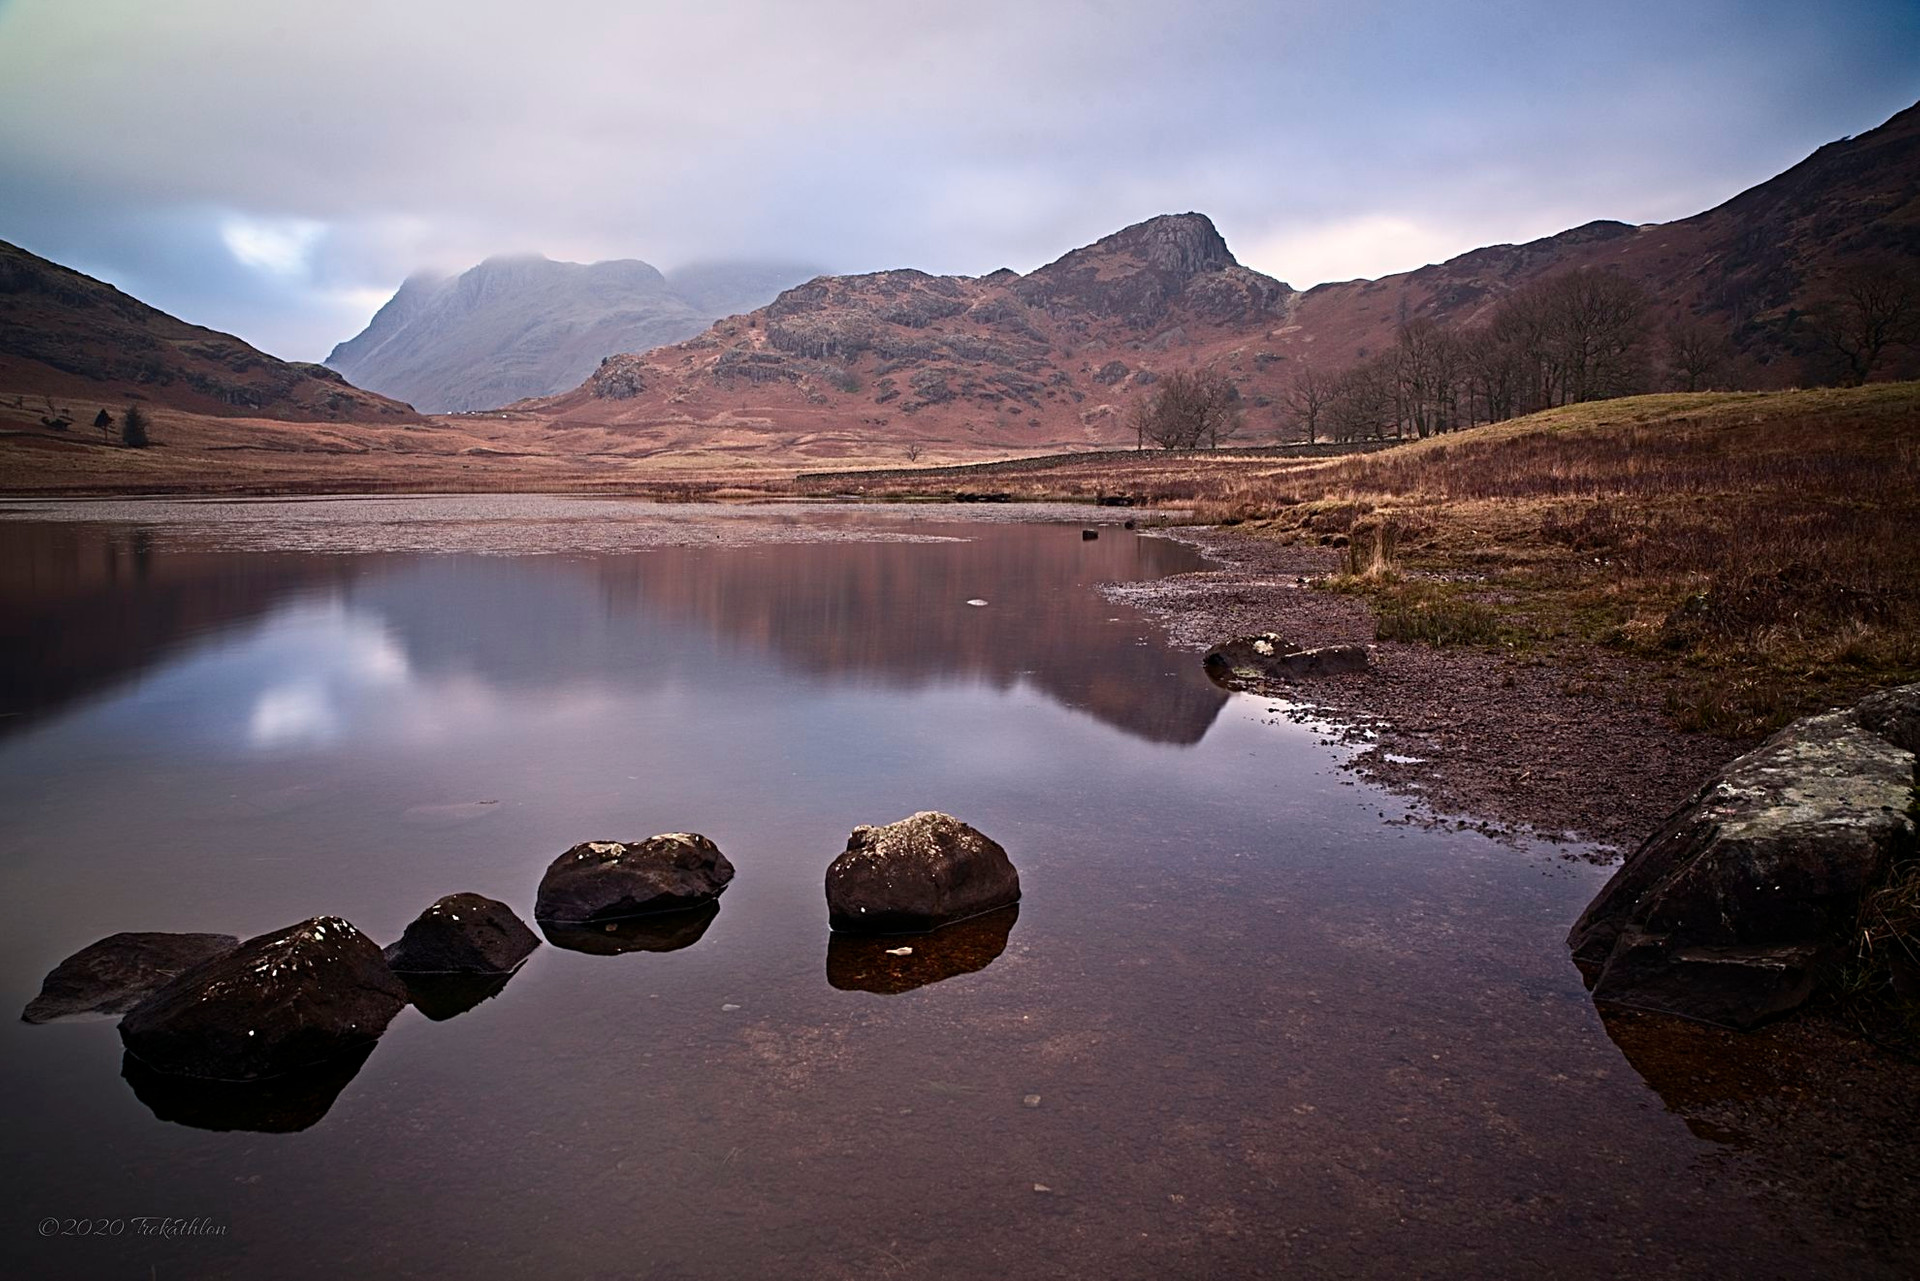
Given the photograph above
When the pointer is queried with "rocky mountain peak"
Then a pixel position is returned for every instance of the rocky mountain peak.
(1139, 273)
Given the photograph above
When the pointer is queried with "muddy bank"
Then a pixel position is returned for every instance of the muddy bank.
(1571, 747)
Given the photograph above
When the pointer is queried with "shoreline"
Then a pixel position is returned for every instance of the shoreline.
(1809, 1112)
(1506, 744)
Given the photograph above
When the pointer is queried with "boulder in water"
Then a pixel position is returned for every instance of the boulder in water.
(916, 875)
(607, 880)
(276, 1004)
(463, 934)
(117, 973)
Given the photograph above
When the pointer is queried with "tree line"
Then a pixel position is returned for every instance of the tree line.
(1579, 335)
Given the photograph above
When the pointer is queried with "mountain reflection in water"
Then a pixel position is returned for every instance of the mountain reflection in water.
(89, 608)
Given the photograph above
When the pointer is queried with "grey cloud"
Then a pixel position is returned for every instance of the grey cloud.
(952, 136)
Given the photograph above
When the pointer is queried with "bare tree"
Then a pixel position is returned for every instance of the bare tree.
(913, 453)
(1363, 404)
(1867, 309)
(1189, 409)
(1580, 335)
(1306, 397)
(1697, 353)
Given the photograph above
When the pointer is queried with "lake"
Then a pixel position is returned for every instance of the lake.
(1247, 1019)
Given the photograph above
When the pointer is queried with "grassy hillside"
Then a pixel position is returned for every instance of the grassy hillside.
(1764, 546)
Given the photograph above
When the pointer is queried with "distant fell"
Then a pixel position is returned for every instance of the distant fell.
(522, 326)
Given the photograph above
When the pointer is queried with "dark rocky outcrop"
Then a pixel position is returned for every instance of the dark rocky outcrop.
(916, 875)
(607, 880)
(115, 974)
(875, 963)
(1253, 659)
(660, 932)
(463, 934)
(1730, 912)
(276, 1004)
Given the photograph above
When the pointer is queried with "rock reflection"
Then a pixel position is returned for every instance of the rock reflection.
(277, 1105)
(867, 962)
(661, 932)
(442, 996)
(1709, 1077)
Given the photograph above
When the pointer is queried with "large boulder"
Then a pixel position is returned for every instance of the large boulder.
(463, 934)
(1270, 657)
(115, 974)
(916, 875)
(1730, 911)
(606, 880)
(275, 1004)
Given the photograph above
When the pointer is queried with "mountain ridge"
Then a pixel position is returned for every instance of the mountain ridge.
(1056, 357)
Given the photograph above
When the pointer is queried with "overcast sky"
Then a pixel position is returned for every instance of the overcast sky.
(275, 167)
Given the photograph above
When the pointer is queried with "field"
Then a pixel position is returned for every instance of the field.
(1763, 547)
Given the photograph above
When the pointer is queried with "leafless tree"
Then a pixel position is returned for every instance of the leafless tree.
(1363, 405)
(1697, 354)
(1867, 309)
(1580, 335)
(1306, 396)
(1189, 409)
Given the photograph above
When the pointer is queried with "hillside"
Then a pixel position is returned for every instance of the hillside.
(66, 335)
(850, 365)
(998, 361)
(515, 327)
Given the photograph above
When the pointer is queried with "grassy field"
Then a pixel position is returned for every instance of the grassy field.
(1763, 547)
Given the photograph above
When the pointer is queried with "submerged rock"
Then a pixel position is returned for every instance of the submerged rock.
(916, 875)
(115, 974)
(1271, 657)
(864, 963)
(277, 1003)
(660, 932)
(463, 934)
(1729, 912)
(606, 880)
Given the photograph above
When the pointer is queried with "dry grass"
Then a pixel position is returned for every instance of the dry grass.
(1761, 547)
(1764, 547)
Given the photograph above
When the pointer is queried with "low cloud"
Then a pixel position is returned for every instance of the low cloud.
(275, 170)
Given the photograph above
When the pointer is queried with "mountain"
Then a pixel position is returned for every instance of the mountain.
(1749, 266)
(1001, 359)
(1054, 358)
(515, 327)
(66, 334)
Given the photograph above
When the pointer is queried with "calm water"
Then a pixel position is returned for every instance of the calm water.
(1271, 1030)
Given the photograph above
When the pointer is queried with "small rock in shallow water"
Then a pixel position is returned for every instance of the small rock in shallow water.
(607, 880)
(916, 875)
(115, 974)
(463, 934)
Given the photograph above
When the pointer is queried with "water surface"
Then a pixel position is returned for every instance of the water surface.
(1244, 1021)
